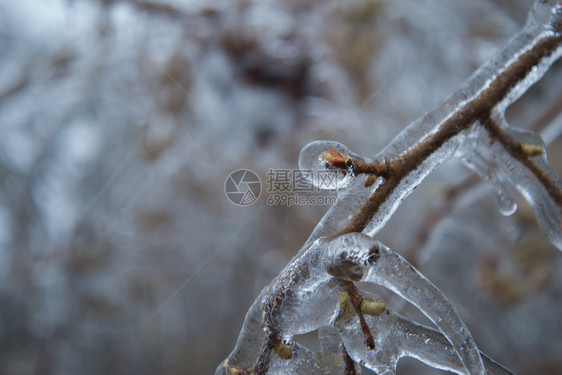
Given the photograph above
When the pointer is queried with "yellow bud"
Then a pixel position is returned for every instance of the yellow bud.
(284, 351)
(370, 180)
(531, 150)
(373, 308)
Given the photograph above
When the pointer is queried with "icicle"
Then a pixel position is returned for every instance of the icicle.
(476, 157)
(506, 203)
(544, 198)
(532, 176)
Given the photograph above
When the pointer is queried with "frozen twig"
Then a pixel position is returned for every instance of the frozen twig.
(317, 288)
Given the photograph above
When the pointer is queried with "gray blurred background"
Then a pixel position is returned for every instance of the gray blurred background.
(121, 120)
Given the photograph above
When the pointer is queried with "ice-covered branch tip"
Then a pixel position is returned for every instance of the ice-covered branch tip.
(336, 160)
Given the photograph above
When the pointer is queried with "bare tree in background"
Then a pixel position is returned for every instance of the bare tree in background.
(121, 121)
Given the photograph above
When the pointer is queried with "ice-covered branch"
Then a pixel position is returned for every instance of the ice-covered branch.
(438, 136)
(283, 310)
(317, 288)
(360, 258)
(397, 337)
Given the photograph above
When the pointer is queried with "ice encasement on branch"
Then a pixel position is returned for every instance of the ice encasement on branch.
(317, 291)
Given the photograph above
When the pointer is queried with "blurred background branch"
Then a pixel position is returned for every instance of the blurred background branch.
(122, 120)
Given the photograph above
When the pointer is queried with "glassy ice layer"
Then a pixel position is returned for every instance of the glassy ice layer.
(309, 294)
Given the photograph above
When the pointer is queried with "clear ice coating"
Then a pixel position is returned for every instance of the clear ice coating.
(389, 269)
(315, 158)
(410, 182)
(316, 290)
(539, 184)
(320, 301)
(476, 157)
(397, 337)
(544, 23)
(506, 202)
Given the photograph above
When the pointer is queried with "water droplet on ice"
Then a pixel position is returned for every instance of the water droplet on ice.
(506, 202)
